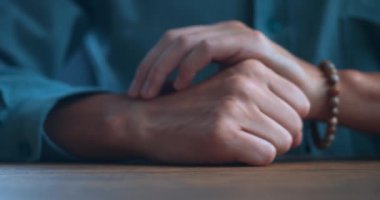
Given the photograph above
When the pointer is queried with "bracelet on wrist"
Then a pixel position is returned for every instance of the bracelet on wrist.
(331, 73)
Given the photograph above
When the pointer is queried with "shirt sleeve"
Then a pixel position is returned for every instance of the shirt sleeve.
(25, 101)
(36, 38)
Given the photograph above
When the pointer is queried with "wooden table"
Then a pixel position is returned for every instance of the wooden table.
(295, 180)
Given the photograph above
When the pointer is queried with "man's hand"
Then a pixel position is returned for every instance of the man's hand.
(246, 113)
(192, 48)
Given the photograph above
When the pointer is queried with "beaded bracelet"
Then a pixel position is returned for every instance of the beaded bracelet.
(330, 72)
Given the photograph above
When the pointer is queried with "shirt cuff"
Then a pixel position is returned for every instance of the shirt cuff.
(50, 151)
(33, 142)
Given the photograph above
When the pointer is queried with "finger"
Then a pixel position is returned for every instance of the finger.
(141, 72)
(292, 109)
(252, 150)
(259, 124)
(278, 110)
(291, 94)
(170, 58)
(297, 141)
(142, 69)
(225, 48)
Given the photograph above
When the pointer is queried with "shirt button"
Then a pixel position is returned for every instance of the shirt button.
(274, 25)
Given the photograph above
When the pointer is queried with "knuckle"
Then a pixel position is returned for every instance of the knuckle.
(254, 68)
(184, 41)
(171, 35)
(242, 67)
(206, 46)
(239, 84)
(250, 64)
(258, 35)
(237, 81)
(253, 62)
(235, 24)
(258, 69)
(229, 105)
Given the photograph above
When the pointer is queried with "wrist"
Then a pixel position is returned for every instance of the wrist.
(95, 126)
(319, 100)
(315, 88)
(125, 122)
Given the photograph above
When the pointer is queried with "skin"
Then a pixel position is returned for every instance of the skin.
(250, 112)
(230, 118)
(191, 48)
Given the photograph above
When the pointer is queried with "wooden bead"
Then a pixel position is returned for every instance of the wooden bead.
(330, 137)
(333, 121)
(331, 130)
(328, 68)
(334, 79)
(334, 90)
(332, 76)
(335, 111)
(334, 101)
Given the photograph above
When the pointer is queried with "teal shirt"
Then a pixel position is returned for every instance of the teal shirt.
(52, 49)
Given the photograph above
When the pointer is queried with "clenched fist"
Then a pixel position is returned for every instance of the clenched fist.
(246, 113)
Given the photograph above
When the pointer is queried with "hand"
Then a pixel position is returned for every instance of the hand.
(192, 48)
(246, 113)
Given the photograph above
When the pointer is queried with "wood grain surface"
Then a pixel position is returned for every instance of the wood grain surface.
(295, 180)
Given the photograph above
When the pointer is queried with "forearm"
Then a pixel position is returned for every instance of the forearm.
(360, 100)
(359, 106)
(97, 126)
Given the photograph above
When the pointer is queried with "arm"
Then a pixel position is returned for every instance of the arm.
(216, 122)
(192, 48)
(360, 100)
(32, 48)
(359, 106)
(97, 126)
(25, 100)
